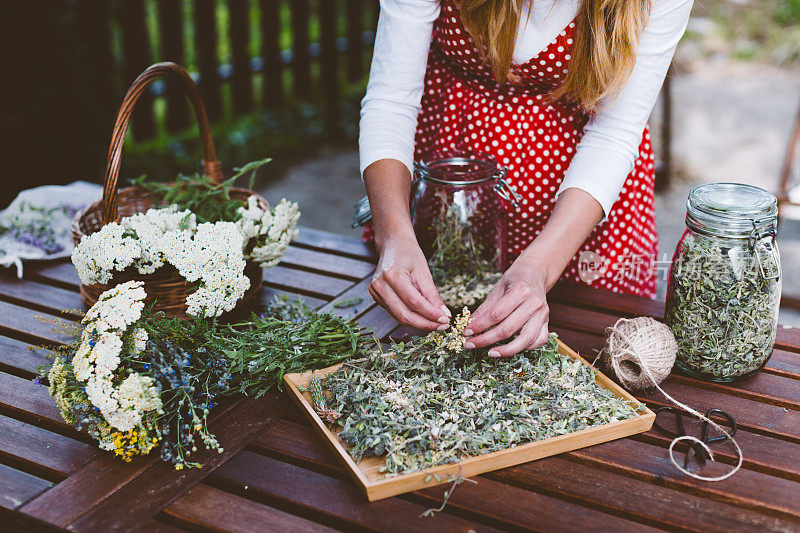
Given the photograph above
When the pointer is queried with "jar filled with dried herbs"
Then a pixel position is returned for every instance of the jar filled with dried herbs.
(458, 208)
(725, 282)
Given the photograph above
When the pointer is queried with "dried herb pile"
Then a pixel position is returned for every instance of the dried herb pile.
(459, 265)
(430, 401)
(721, 308)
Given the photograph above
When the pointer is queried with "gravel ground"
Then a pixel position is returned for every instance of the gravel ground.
(731, 123)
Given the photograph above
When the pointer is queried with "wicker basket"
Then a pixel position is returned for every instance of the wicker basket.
(165, 286)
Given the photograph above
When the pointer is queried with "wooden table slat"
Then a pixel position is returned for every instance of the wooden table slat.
(359, 293)
(210, 508)
(124, 508)
(327, 263)
(335, 244)
(35, 325)
(784, 363)
(61, 274)
(31, 294)
(772, 456)
(307, 283)
(22, 358)
(44, 452)
(636, 498)
(379, 321)
(269, 294)
(93, 484)
(17, 487)
(23, 397)
(507, 504)
(750, 489)
(299, 443)
(788, 338)
(338, 499)
(621, 304)
(157, 526)
(762, 418)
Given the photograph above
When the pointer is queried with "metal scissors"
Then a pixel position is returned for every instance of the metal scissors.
(695, 449)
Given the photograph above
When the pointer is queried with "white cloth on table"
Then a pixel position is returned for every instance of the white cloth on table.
(49, 209)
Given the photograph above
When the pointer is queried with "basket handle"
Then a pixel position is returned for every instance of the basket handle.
(211, 167)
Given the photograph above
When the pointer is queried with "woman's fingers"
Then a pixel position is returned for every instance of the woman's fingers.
(496, 309)
(404, 287)
(377, 297)
(526, 337)
(503, 330)
(425, 284)
(393, 303)
(532, 335)
(414, 299)
(541, 339)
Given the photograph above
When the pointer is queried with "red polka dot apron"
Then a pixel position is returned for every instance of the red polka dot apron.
(464, 109)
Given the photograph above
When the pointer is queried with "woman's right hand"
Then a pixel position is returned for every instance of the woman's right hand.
(402, 284)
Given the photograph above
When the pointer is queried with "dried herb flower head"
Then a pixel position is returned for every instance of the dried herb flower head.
(429, 401)
(452, 339)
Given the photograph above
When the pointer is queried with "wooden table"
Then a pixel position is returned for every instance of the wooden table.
(275, 473)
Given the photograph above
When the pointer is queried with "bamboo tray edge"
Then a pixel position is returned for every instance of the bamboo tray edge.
(376, 486)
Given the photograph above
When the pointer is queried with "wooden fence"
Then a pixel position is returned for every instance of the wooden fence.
(244, 54)
(72, 60)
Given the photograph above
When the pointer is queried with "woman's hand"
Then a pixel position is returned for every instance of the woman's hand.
(402, 284)
(517, 304)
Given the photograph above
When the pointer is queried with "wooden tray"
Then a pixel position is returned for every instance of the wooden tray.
(377, 486)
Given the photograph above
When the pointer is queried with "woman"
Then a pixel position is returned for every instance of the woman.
(559, 91)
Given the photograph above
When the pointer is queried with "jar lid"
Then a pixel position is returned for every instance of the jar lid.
(733, 210)
(458, 168)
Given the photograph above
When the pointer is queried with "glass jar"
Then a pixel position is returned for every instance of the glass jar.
(725, 282)
(458, 208)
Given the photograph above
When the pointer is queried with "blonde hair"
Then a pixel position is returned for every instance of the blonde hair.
(604, 50)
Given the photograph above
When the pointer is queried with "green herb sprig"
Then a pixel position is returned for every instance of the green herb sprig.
(288, 339)
(208, 200)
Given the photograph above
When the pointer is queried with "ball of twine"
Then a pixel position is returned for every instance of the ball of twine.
(633, 342)
(641, 352)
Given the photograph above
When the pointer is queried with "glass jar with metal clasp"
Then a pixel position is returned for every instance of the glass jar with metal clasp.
(458, 204)
(458, 207)
(725, 282)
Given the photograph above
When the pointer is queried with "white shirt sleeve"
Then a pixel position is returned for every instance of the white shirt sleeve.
(392, 102)
(610, 144)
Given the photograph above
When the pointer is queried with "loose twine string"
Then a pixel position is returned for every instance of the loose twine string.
(625, 348)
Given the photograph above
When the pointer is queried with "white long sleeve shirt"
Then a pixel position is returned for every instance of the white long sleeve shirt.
(610, 144)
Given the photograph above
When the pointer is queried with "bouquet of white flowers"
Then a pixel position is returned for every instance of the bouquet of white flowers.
(131, 394)
(137, 380)
(209, 250)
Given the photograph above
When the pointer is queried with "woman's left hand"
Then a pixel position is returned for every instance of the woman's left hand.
(517, 304)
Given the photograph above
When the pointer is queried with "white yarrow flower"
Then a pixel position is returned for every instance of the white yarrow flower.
(267, 234)
(110, 325)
